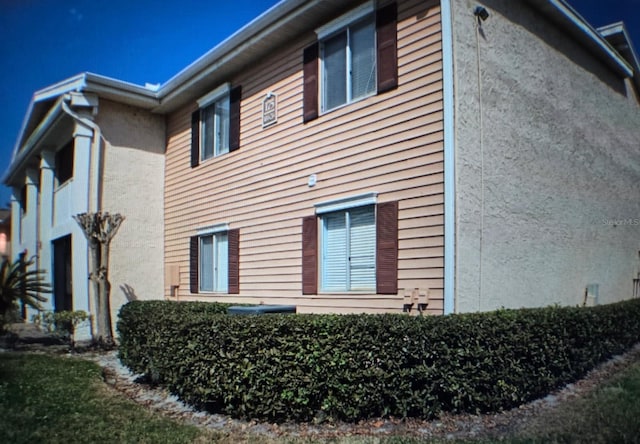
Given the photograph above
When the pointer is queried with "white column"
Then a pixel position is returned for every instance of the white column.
(83, 137)
(30, 219)
(16, 246)
(47, 185)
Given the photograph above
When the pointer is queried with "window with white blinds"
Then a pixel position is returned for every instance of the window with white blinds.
(214, 262)
(215, 128)
(349, 250)
(349, 64)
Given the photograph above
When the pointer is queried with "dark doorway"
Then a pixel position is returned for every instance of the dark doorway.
(62, 283)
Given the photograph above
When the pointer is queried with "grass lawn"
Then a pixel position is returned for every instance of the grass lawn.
(53, 399)
(610, 414)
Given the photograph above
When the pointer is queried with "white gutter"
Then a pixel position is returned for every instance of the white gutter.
(619, 28)
(576, 19)
(449, 156)
(234, 45)
(75, 83)
(96, 155)
(141, 96)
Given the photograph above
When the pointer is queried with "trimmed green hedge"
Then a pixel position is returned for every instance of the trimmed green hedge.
(351, 367)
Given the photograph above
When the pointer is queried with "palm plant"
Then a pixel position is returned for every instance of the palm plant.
(19, 283)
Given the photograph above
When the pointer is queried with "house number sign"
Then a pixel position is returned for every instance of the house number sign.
(269, 110)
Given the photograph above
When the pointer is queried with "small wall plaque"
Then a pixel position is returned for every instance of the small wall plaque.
(269, 110)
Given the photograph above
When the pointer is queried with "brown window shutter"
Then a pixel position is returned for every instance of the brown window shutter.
(233, 237)
(310, 88)
(235, 96)
(309, 255)
(195, 138)
(387, 248)
(193, 263)
(387, 42)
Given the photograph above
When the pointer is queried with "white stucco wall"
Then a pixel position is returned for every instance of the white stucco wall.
(133, 183)
(547, 161)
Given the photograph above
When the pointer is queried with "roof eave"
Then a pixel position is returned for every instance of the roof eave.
(631, 54)
(21, 156)
(560, 11)
(227, 51)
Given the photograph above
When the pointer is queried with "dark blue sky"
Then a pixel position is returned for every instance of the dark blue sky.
(45, 41)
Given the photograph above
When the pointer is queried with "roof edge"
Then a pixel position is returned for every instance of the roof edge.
(20, 156)
(583, 29)
(628, 52)
(231, 45)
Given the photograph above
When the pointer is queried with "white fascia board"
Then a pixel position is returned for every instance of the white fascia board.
(590, 32)
(346, 202)
(212, 229)
(75, 83)
(234, 45)
(20, 156)
(345, 19)
(619, 28)
(214, 95)
(449, 156)
(124, 91)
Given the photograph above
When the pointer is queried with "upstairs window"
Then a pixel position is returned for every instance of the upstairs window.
(23, 200)
(215, 126)
(355, 57)
(64, 163)
(348, 60)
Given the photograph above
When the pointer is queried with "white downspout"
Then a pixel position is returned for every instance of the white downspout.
(96, 155)
(449, 157)
(94, 198)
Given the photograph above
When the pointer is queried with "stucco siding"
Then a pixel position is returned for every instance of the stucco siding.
(547, 165)
(133, 153)
(391, 144)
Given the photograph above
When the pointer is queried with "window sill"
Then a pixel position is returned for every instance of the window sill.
(347, 292)
(215, 156)
(360, 99)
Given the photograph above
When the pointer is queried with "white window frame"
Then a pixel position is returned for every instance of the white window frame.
(333, 28)
(345, 206)
(213, 99)
(216, 232)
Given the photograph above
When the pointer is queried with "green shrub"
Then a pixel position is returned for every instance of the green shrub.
(350, 367)
(20, 283)
(61, 323)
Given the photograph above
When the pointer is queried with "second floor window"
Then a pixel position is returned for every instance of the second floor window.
(349, 64)
(64, 163)
(215, 125)
(354, 57)
(215, 128)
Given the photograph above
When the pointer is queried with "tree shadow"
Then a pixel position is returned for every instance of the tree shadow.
(129, 292)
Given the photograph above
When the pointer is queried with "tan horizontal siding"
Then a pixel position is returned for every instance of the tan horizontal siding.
(390, 143)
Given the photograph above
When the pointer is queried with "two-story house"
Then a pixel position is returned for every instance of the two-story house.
(359, 156)
(370, 156)
(89, 144)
